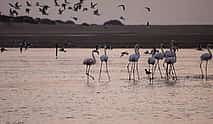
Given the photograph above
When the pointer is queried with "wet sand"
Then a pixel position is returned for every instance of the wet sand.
(36, 88)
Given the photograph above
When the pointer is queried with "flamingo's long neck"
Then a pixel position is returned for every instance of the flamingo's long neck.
(137, 51)
(105, 53)
(162, 50)
(209, 51)
(93, 56)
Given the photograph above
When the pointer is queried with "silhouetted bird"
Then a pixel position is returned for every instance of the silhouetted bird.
(93, 5)
(65, 1)
(56, 3)
(148, 24)
(70, 8)
(27, 10)
(85, 9)
(60, 11)
(123, 7)
(43, 11)
(75, 18)
(122, 18)
(124, 53)
(3, 49)
(148, 9)
(62, 50)
(13, 12)
(64, 5)
(77, 6)
(28, 4)
(96, 12)
(15, 6)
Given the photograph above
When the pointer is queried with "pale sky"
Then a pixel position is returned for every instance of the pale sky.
(163, 12)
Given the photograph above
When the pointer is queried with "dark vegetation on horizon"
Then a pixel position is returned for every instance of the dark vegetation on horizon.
(30, 20)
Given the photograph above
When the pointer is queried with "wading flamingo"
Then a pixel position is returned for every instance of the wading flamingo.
(104, 58)
(205, 57)
(88, 62)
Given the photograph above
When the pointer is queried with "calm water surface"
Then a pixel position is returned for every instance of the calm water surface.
(35, 88)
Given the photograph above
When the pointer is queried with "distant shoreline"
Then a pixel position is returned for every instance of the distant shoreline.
(81, 36)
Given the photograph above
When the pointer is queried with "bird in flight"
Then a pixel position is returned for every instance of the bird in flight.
(93, 5)
(148, 9)
(66, 2)
(15, 6)
(122, 18)
(56, 2)
(75, 18)
(60, 11)
(28, 4)
(96, 12)
(123, 7)
(27, 10)
(13, 12)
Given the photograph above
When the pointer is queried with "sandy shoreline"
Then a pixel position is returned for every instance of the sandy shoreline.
(78, 36)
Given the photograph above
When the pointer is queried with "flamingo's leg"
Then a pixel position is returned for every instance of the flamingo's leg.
(89, 72)
(202, 76)
(100, 71)
(174, 71)
(137, 71)
(107, 70)
(206, 69)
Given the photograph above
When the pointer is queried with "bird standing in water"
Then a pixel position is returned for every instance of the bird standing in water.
(133, 60)
(205, 57)
(89, 62)
(104, 58)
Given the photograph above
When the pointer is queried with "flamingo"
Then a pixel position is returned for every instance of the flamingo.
(104, 58)
(159, 56)
(133, 59)
(170, 60)
(88, 62)
(205, 57)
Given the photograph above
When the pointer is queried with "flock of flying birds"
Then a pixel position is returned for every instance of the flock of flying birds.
(62, 6)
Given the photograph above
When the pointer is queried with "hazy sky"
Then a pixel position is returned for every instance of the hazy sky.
(163, 12)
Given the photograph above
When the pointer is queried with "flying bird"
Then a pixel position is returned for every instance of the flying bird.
(44, 10)
(66, 2)
(15, 6)
(56, 3)
(28, 4)
(85, 9)
(60, 11)
(148, 9)
(27, 10)
(96, 12)
(13, 12)
(93, 5)
(123, 7)
(75, 18)
(122, 18)
(70, 8)
(64, 5)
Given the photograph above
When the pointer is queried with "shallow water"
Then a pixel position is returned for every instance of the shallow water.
(36, 88)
